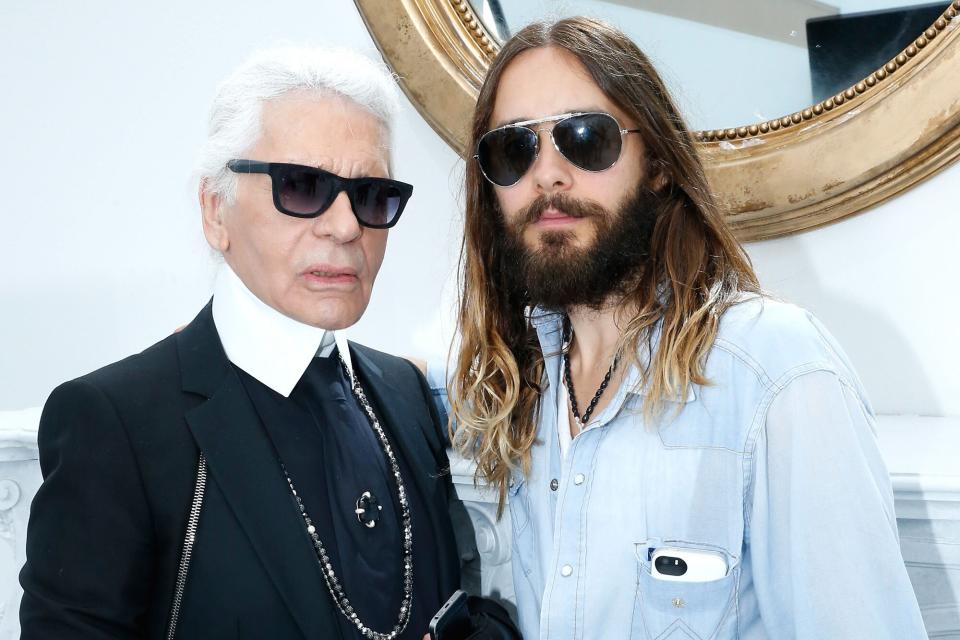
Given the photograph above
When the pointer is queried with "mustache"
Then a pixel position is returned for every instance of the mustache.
(561, 202)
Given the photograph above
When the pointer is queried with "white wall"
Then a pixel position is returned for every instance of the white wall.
(104, 107)
(885, 283)
(102, 254)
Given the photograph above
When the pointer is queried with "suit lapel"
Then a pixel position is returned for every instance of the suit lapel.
(405, 420)
(242, 461)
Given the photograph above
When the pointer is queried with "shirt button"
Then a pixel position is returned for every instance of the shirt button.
(554, 484)
(579, 478)
(566, 571)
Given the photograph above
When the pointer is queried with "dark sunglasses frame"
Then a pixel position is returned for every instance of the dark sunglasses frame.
(557, 119)
(276, 172)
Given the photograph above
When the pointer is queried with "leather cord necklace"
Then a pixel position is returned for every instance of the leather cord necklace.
(568, 379)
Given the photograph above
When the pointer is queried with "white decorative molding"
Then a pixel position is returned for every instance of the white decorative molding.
(923, 457)
(19, 480)
(489, 540)
(18, 434)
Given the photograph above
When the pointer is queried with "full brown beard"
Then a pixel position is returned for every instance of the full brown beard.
(557, 274)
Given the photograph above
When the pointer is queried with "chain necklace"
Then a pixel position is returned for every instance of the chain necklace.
(568, 380)
(333, 583)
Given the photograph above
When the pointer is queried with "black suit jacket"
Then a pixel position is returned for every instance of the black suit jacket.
(119, 450)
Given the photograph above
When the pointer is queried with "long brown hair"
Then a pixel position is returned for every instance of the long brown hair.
(694, 271)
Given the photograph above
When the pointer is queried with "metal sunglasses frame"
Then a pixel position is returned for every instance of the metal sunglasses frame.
(557, 119)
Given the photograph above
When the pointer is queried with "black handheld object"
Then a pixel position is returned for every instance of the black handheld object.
(452, 621)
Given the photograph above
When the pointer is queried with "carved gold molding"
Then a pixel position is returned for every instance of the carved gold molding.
(841, 156)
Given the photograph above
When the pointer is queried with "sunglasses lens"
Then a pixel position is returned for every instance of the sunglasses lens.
(377, 202)
(591, 141)
(303, 191)
(506, 154)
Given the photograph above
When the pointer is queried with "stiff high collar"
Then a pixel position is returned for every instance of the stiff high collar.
(270, 346)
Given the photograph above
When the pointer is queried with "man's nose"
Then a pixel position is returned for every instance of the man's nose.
(551, 172)
(338, 222)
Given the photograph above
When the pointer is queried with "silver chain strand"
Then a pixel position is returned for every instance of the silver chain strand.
(333, 584)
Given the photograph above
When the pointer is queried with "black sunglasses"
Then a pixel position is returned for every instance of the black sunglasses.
(306, 192)
(590, 141)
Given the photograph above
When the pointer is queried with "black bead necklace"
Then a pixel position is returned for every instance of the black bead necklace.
(567, 332)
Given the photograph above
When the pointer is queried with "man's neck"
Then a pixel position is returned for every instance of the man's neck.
(595, 336)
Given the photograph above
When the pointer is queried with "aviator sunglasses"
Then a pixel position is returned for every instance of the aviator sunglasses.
(590, 141)
(306, 192)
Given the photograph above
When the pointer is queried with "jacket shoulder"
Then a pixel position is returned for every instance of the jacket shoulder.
(142, 392)
(394, 368)
(404, 376)
(778, 340)
(146, 365)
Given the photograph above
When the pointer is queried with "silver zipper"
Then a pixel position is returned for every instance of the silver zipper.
(188, 541)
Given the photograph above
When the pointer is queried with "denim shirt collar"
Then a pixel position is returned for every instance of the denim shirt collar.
(549, 327)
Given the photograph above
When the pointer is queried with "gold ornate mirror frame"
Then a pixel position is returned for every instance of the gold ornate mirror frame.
(888, 132)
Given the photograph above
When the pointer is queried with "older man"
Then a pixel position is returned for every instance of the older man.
(253, 475)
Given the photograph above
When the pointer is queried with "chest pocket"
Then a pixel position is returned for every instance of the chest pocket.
(673, 610)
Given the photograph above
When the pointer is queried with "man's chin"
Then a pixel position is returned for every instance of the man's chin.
(560, 245)
(331, 315)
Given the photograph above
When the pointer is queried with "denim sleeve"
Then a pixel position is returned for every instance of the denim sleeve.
(437, 380)
(823, 541)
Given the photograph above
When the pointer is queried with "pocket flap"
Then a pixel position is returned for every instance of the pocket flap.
(701, 609)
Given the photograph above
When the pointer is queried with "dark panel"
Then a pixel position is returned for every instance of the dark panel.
(845, 49)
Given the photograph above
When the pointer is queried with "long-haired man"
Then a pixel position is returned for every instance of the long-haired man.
(682, 456)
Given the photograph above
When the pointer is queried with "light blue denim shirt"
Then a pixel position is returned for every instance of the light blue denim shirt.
(774, 466)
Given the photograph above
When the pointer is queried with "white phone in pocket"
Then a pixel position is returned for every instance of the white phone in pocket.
(687, 565)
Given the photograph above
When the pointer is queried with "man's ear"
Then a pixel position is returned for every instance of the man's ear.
(659, 177)
(659, 181)
(211, 212)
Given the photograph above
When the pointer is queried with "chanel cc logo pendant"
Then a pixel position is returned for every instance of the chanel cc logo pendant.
(368, 510)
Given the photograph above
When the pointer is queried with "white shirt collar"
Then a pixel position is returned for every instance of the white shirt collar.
(270, 346)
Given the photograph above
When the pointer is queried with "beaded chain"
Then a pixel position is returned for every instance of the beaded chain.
(329, 576)
(568, 380)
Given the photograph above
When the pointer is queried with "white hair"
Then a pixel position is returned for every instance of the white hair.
(235, 116)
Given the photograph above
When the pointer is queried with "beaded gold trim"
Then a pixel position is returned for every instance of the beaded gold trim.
(475, 28)
(849, 95)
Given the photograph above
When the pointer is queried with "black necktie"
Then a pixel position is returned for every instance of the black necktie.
(353, 464)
